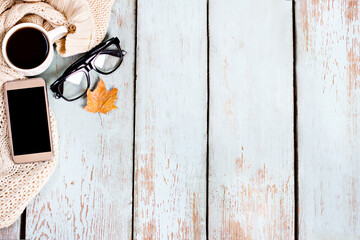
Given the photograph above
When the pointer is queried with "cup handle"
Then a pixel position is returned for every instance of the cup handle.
(57, 33)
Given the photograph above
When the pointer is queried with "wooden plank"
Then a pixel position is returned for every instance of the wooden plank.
(171, 121)
(90, 194)
(12, 232)
(251, 149)
(328, 76)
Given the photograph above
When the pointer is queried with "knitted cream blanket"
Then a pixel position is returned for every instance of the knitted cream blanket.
(87, 22)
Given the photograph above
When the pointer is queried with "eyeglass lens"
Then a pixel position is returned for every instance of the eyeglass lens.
(109, 59)
(75, 85)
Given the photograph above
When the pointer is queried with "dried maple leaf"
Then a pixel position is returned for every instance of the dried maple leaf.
(101, 100)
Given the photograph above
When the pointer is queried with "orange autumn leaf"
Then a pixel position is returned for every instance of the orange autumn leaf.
(101, 100)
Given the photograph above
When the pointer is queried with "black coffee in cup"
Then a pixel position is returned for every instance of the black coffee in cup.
(27, 48)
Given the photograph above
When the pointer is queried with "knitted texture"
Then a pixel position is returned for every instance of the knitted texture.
(88, 21)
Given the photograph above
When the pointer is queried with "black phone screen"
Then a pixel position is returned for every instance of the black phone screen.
(28, 120)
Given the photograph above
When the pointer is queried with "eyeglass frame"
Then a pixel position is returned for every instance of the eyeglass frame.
(85, 64)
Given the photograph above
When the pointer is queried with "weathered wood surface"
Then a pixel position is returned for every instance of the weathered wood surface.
(328, 76)
(12, 232)
(251, 191)
(171, 120)
(90, 194)
(251, 147)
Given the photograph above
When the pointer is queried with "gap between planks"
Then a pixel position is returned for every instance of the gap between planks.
(23, 225)
(134, 122)
(208, 117)
(296, 158)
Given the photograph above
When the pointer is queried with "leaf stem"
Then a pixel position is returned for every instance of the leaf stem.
(101, 122)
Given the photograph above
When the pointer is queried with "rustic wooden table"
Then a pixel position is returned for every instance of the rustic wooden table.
(236, 120)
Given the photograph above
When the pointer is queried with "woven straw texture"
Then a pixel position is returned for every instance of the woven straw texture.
(19, 183)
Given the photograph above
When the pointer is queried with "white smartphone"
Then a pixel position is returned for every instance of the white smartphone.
(28, 120)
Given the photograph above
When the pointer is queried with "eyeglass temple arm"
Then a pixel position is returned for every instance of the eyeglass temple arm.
(114, 53)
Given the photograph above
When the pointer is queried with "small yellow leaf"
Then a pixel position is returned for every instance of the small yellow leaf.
(101, 100)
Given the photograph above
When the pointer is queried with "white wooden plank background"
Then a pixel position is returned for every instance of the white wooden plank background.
(251, 141)
(12, 232)
(328, 71)
(171, 120)
(90, 194)
(251, 192)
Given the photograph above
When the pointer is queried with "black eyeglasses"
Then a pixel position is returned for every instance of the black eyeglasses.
(75, 81)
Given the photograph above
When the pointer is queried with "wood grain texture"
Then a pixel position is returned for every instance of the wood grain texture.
(328, 74)
(251, 191)
(90, 194)
(171, 121)
(12, 232)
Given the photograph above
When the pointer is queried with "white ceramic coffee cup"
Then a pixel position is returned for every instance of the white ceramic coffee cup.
(51, 36)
